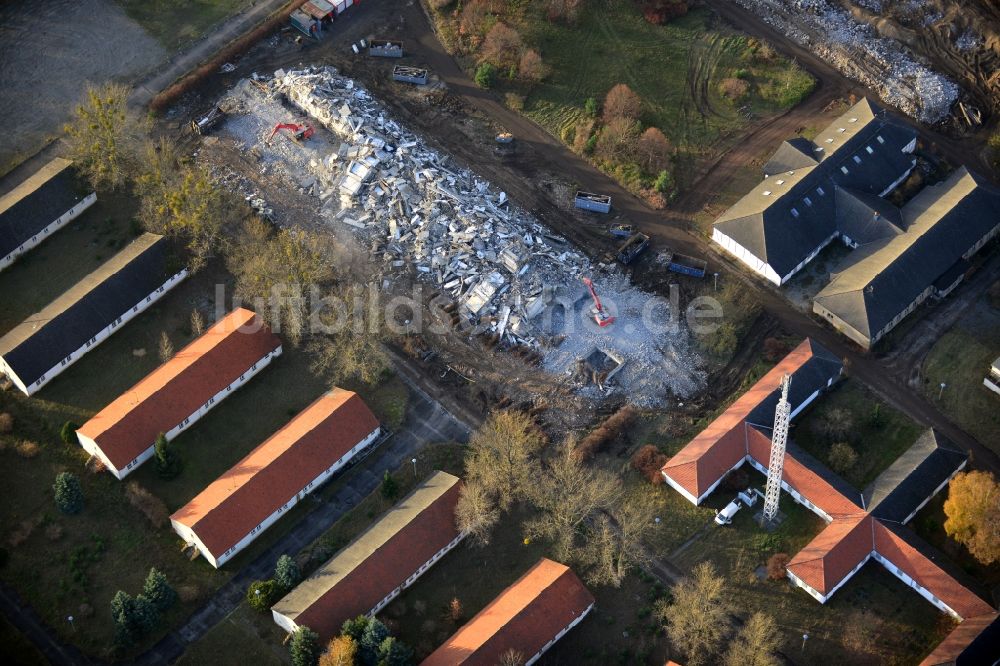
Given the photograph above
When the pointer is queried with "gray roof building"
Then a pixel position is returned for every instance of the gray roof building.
(916, 476)
(49, 339)
(883, 281)
(796, 210)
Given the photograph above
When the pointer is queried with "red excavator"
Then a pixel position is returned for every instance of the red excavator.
(601, 316)
(299, 133)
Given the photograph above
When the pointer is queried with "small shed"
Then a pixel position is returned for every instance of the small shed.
(305, 24)
(598, 203)
(409, 74)
(321, 10)
(385, 48)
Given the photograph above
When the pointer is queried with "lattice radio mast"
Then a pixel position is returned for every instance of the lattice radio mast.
(779, 438)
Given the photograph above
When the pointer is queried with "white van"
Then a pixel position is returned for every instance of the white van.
(725, 516)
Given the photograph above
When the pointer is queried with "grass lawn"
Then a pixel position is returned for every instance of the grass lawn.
(176, 22)
(904, 626)
(675, 68)
(243, 637)
(73, 565)
(961, 358)
(877, 446)
(620, 626)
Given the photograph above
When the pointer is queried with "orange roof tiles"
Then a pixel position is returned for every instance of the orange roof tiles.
(720, 446)
(526, 616)
(960, 638)
(835, 551)
(378, 561)
(927, 573)
(239, 500)
(171, 393)
(805, 481)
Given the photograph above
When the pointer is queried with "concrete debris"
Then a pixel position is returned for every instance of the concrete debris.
(424, 216)
(858, 51)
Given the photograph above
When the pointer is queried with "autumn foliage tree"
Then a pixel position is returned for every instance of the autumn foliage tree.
(531, 68)
(621, 102)
(340, 651)
(777, 566)
(502, 46)
(973, 514)
(653, 150)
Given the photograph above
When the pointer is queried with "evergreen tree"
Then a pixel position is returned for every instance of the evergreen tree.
(123, 616)
(158, 590)
(145, 615)
(69, 496)
(286, 573)
(261, 594)
(68, 433)
(371, 642)
(355, 628)
(390, 488)
(305, 647)
(394, 652)
(168, 465)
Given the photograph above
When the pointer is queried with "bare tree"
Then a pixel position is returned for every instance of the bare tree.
(476, 512)
(531, 68)
(621, 102)
(197, 322)
(104, 135)
(503, 456)
(502, 46)
(617, 140)
(166, 348)
(616, 543)
(512, 658)
(698, 619)
(567, 494)
(653, 150)
(755, 644)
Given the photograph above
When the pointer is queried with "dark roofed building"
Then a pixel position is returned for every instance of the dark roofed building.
(38, 207)
(883, 282)
(915, 477)
(48, 342)
(784, 222)
(972, 643)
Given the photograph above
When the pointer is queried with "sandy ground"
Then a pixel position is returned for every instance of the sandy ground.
(49, 51)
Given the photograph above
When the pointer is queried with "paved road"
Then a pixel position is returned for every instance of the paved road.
(188, 59)
(672, 230)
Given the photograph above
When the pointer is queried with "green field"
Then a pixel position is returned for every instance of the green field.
(961, 358)
(177, 22)
(877, 446)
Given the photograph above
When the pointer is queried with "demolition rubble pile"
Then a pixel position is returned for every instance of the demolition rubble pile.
(856, 49)
(421, 214)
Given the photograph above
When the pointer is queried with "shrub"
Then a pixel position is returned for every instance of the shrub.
(563, 10)
(27, 448)
(877, 418)
(486, 75)
(68, 495)
(531, 68)
(590, 107)
(842, 457)
(777, 566)
(660, 12)
(147, 503)
(664, 183)
(591, 145)
(648, 461)
(734, 89)
(6, 423)
(261, 595)
(168, 464)
(774, 349)
(736, 480)
(514, 101)
(610, 429)
(68, 433)
(502, 47)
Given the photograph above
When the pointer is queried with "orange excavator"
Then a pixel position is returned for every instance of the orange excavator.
(601, 316)
(299, 133)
